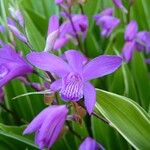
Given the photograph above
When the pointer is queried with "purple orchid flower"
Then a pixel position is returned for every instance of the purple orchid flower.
(59, 35)
(11, 65)
(48, 125)
(107, 22)
(131, 32)
(66, 31)
(90, 144)
(142, 41)
(75, 74)
(118, 4)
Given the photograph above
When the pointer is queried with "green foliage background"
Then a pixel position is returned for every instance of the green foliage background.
(129, 119)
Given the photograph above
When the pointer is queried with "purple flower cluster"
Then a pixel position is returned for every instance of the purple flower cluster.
(71, 74)
(106, 21)
(135, 40)
(59, 35)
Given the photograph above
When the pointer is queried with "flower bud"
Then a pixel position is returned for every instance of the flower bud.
(131, 31)
(17, 33)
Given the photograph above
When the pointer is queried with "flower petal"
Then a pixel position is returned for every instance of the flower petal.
(49, 62)
(60, 42)
(89, 97)
(128, 50)
(37, 121)
(101, 66)
(53, 24)
(56, 85)
(75, 59)
(131, 31)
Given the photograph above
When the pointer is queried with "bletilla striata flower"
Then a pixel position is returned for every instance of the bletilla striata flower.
(11, 65)
(90, 144)
(75, 73)
(59, 35)
(142, 41)
(130, 34)
(47, 125)
(66, 30)
(118, 4)
(106, 21)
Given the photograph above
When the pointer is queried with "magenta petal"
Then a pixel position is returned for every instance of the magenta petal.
(56, 85)
(89, 97)
(53, 24)
(49, 62)
(101, 66)
(75, 59)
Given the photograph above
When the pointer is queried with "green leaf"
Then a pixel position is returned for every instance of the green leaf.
(127, 117)
(15, 133)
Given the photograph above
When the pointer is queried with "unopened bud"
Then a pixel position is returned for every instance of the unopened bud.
(17, 33)
(51, 40)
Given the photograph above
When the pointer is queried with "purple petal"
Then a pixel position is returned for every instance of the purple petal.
(131, 30)
(89, 97)
(56, 85)
(107, 24)
(119, 4)
(88, 144)
(75, 59)
(52, 125)
(49, 62)
(105, 12)
(60, 43)
(11, 65)
(50, 41)
(53, 24)
(142, 41)
(128, 50)
(101, 66)
(37, 121)
(59, 1)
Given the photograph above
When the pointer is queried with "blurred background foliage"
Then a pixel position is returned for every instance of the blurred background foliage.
(131, 80)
